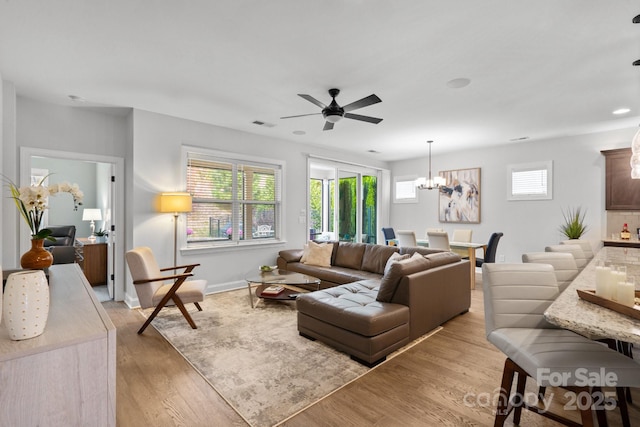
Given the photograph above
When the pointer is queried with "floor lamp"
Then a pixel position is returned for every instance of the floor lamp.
(175, 203)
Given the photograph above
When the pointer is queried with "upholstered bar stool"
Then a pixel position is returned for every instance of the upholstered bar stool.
(515, 298)
(575, 250)
(563, 263)
(584, 244)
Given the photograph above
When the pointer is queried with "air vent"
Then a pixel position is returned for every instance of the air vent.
(261, 123)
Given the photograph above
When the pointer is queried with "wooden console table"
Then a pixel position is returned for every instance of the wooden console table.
(94, 264)
(67, 375)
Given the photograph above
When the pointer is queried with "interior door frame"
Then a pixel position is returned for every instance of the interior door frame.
(116, 264)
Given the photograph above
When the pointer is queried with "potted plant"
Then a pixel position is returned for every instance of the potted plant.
(101, 235)
(574, 225)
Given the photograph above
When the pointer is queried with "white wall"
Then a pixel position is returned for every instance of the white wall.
(156, 167)
(528, 226)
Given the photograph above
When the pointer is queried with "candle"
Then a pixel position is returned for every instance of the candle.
(627, 292)
(603, 288)
(616, 276)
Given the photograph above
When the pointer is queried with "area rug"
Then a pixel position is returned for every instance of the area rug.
(254, 357)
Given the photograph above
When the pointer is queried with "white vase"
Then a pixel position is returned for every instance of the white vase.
(26, 304)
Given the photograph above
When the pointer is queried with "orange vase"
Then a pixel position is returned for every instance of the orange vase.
(37, 257)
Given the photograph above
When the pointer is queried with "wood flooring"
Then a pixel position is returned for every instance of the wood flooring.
(449, 379)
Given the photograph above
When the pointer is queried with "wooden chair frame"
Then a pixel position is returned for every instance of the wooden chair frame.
(171, 294)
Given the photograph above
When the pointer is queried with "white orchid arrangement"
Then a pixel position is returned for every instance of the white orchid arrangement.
(32, 202)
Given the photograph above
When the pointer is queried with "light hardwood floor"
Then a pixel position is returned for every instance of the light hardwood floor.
(447, 380)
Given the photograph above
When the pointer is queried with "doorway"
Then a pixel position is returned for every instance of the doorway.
(104, 190)
(344, 202)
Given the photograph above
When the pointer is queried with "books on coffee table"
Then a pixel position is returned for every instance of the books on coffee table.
(272, 290)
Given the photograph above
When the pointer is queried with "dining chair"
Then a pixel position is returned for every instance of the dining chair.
(584, 244)
(515, 299)
(152, 290)
(438, 240)
(575, 250)
(406, 238)
(428, 230)
(462, 235)
(389, 235)
(564, 265)
(492, 248)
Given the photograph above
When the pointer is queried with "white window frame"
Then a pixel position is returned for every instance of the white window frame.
(237, 159)
(526, 167)
(406, 181)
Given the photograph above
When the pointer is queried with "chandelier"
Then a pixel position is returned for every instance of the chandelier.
(430, 183)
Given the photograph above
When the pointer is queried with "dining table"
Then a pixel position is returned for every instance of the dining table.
(571, 312)
(470, 249)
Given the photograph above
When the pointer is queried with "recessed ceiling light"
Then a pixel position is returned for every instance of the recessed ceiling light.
(373, 151)
(76, 98)
(622, 111)
(522, 138)
(299, 132)
(458, 83)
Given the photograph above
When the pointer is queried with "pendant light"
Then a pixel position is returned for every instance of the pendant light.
(429, 183)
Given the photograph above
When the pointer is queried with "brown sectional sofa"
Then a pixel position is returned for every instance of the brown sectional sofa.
(348, 312)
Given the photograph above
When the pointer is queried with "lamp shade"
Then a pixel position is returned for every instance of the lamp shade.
(175, 202)
(92, 215)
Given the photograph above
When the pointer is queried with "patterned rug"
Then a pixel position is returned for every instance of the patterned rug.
(255, 359)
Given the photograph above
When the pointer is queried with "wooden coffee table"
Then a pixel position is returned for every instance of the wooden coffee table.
(291, 281)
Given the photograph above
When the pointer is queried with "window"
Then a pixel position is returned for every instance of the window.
(404, 189)
(530, 181)
(236, 199)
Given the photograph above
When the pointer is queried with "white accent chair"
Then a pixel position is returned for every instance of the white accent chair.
(515, 299)
(406, 238)
(438, 240)
(152, 290)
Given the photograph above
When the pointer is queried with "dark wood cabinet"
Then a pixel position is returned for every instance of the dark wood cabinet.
(94, 264)
(622, 192)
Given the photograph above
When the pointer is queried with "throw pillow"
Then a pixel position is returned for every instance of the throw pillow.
(397, 271)
(319, 254)
(305, 253)
(395, 257)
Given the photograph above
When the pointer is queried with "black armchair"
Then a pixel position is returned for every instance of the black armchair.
(65, 235)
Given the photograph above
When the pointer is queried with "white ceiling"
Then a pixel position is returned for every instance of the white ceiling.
(538, 69)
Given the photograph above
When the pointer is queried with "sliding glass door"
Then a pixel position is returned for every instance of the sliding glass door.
(343, 202)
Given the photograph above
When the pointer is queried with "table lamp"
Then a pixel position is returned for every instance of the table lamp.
(175, 203)
(92, 215)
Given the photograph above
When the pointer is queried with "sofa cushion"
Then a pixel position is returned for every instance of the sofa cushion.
(419, 249)
(291, 255)
(318, 254)
(349, 255)
(354, 307)
(442, 258)
(376, 256)
(398, 269)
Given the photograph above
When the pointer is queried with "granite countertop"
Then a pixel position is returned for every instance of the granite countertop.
(583, 317)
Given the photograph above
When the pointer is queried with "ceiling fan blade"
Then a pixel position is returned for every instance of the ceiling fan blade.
(300, 115)
(369, 119)
(369, 100)
(327, 126)
(312, 100)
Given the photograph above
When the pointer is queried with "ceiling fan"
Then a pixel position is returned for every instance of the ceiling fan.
(333, 112)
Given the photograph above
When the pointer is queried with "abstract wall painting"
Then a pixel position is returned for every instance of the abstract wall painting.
(459, 198)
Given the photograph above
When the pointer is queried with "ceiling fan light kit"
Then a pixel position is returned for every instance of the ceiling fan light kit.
(333, 112)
